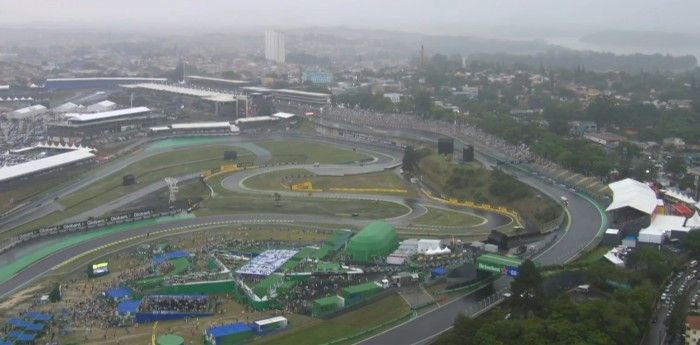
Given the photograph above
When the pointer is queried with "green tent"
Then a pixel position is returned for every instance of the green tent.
(327, 305)
(377, 239)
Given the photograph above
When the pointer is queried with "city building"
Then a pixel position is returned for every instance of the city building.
(274, 46)
(692, 329)
(581, 127)
(395, 97)
(317, 77)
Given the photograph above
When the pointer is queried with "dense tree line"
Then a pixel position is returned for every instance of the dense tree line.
(532, 316)
(598, 61)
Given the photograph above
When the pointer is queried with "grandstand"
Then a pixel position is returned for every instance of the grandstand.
(94, 83)
(90, 125)
(194, 93)
(218, 83)
(292, 101)
(248, 122)
(199, 128)
(45, 164)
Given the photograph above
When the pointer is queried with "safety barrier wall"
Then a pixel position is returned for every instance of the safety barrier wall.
(470, 204)
(81, 226)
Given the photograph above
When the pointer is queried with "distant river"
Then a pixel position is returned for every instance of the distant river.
(575, 43)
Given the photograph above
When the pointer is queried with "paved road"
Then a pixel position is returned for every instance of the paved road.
(586, 222)
(235, 182)
(41, 267)
(408, 333)
(45, 205)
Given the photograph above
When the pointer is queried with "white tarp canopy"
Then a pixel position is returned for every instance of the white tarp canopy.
(660, 227)
(693, 222)
(633, 194)
(614, 259)
(679, 196)
(35, 166)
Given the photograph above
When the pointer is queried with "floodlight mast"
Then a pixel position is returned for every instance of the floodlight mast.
(172, 187)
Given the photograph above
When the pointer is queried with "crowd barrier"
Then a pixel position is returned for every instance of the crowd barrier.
(81, 225)
(470, 204)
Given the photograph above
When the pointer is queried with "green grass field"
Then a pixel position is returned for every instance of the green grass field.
(383, 180)
(303, 204)
(315, 331)
(436, 171)
(302, 151)
(153, 169)
(147, 171)
(446, 217)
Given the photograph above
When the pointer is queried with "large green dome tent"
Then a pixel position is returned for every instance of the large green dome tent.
(377, 239)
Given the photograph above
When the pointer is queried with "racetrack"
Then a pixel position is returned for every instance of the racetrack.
(586, 221)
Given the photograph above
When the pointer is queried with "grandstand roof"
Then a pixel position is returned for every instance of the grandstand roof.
(229, 81)
(283, 115)
(255, 119)
(108, 78)
(303, 93)
(15, 171)
(159, 128)
(257, 89)
(633, 194)
(203, 94)
(73, 117)
(201, 125)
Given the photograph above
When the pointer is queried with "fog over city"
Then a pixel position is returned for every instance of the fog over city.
(486, 18)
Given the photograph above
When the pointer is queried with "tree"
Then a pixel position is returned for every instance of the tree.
(676, 166)
(691, 242)
(527, 289)
(423, 103)
(410, 159)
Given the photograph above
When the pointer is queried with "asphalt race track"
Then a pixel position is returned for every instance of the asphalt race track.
(585, 223)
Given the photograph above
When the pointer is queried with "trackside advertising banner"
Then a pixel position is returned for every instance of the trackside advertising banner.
(88, 224)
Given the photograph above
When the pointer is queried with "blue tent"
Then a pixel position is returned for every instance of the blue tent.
(43, 317)
(6, 343)
(35, 327)
(438, 271)
(23, 324)
(119, 293)
(26, 337)
(176, 255)
(32, 315)
(128, 307)
(221, 331)
(13, 321)
(14, 334)
(157, 260)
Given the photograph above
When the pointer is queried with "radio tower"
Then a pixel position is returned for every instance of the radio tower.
(422, 56)
(172, 187)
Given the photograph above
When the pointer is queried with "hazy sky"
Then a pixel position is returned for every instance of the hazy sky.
(430, 16)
